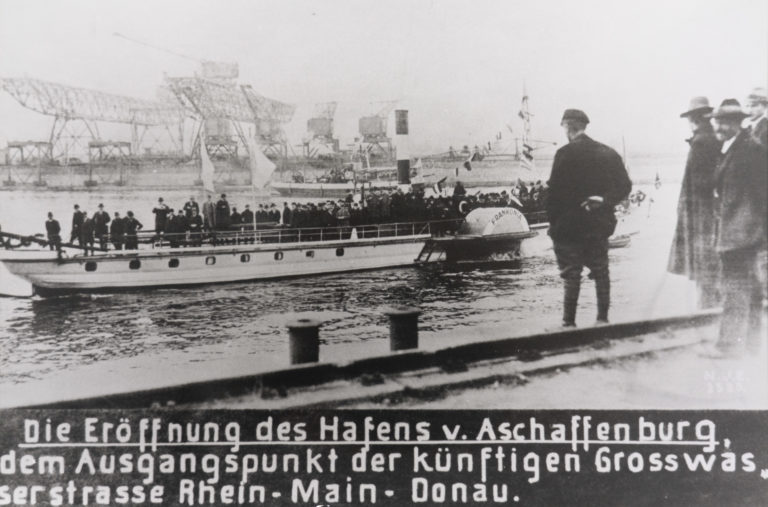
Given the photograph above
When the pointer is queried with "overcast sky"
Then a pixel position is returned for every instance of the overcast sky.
(458, 66)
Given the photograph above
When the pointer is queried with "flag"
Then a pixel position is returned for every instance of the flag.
(206, 167)
(438, 186)
(261, 167)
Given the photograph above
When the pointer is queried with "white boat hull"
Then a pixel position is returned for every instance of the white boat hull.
(192, 266)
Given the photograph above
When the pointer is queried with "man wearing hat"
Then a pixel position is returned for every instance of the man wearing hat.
(78, 217)
(100, 229)
(161, 212)
(740, 183)
(692, 253)
(588, 180)
(222, 213)
(209, 214)
(757, 123)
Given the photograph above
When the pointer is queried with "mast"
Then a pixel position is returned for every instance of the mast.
(526, 158)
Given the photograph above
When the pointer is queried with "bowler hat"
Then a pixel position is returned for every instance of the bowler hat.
(758, 95)
(698, 106)
(575, 114)
(729, 108)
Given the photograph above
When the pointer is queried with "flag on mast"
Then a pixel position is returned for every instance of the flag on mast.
(206, 166)
(261, 167)
(526, 159)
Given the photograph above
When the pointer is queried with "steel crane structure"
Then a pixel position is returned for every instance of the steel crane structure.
(77, 113)
(374, 141)
(320, 130)
(222, 106)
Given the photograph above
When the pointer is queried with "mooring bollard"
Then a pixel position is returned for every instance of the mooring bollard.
(304, 341)
(403, 327)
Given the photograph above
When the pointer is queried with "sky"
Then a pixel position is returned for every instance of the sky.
(459, 67)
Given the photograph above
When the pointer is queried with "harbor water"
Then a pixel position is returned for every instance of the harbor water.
(140, 338)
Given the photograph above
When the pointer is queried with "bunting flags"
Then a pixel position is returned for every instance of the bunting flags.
(206, 167)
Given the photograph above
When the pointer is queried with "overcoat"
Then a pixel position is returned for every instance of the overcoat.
(581, 169)
(741, 180)
(693, 253)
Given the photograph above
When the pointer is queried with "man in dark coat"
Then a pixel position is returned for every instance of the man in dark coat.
(161, 212)
(78, 217)
(588, 180)
(132, 225)
(86, 234)
(222, 213)
(693, 253)
(246, 217)
(53, 232)
(741, 180)
(195, 225)
(100, 229)
(190, 205)
(117, 231)
(235, 218)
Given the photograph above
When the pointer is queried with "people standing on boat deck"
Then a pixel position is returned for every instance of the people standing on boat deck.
(235, 218)
(692, 253)
(117, 231)
(246, 217)
(132, 226)
(100, 229)
(176, 229)
(161, 212)
(740, 182)
(286, 215)
(77, 222)
(209, 214)
(190, 205)
(757, 106)
(274, 214)
(53, 232)
(86, 234)
(222, 213)
(588, 179)
(195, 225)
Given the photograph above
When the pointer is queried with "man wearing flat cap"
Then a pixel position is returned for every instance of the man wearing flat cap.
(588, 180)
(757, 123)
(740, 183)
(692, 253)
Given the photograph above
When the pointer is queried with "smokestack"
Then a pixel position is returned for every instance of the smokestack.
(401, 143)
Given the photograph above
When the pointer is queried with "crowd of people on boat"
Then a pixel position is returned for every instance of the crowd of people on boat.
(192, 222)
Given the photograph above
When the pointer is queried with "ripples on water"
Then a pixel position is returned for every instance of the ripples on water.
(45, 334)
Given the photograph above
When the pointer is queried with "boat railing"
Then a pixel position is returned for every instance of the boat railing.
(274, 235)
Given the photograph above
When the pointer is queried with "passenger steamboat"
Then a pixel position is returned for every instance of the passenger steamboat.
(166, 261)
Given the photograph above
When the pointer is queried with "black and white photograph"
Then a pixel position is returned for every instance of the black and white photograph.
(468, 252)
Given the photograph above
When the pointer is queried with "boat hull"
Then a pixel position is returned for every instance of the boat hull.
(195, 266)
